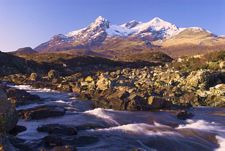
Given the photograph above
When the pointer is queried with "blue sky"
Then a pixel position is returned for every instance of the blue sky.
(31, 22)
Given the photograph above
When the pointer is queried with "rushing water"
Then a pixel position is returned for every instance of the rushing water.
(124, 130)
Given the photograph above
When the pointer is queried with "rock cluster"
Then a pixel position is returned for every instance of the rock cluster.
(184, 82)
(145, 88)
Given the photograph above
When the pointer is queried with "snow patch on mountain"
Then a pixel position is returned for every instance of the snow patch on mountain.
(164, 28)
(75, 32)
(131, 24)
(116, 30)
(199, 29)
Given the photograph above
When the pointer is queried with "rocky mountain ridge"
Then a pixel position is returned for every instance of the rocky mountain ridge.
(101, 34)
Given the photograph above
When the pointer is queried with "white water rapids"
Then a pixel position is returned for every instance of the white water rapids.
(124, 130)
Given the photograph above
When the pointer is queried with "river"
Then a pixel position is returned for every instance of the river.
(125, 130)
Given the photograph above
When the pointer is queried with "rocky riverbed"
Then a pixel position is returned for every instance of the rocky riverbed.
(80, 126)
(135, 86)
(137, 89)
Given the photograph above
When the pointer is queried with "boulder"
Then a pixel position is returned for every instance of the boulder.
(156, 102)
(118, 100)
(183, 115)
(53, 74)
(88, 84)
(60, 141)
(81, 141)
(103, 83)
(190, 99)
(34, 77)
(196, 79)
(222, 65)
(21, 97)
(88, 79)
(41, 112)
(76, 89)
(8, 114)
(170, 76)
(64, 87)
(52, 141)
(137, 103)
(58, 129)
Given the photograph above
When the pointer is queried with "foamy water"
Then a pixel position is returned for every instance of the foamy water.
(213, 127)
(124, 130)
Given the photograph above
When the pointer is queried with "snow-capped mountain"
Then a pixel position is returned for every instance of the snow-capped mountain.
(101, 31)
(157, 28)
(97, 27)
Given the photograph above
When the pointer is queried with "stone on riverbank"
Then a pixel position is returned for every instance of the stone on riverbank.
(21, 97)
(8, 114)
(41, 112)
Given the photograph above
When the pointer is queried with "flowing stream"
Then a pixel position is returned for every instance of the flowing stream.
(124, 130)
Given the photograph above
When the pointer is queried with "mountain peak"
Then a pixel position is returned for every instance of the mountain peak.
(157, 20)
(156, 29)
(100, 24)
(100, 21)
